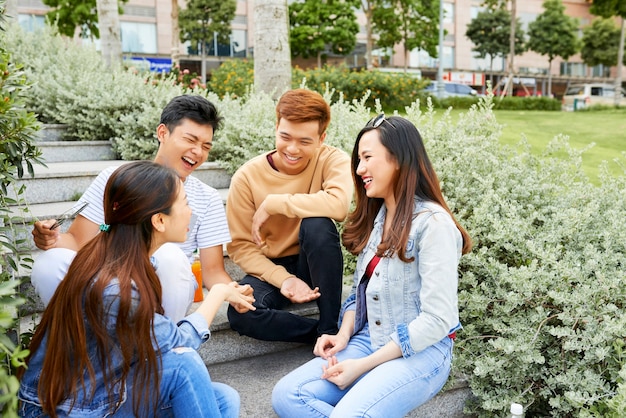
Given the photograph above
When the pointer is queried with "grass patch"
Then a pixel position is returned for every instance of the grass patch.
(607, 129)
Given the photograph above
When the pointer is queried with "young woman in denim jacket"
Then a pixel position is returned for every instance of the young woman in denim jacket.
(103, 347)
(393, 352)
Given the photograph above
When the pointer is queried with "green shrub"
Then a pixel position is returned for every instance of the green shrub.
(17, 152)
(527, 103)
(542, 293)
(393, 90)
(234, 78)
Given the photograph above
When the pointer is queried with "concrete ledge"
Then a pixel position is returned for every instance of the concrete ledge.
(66, 181)
(64, 151)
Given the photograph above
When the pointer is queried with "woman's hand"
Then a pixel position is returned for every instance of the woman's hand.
(344, 373)
(240, 296)
(329, 345)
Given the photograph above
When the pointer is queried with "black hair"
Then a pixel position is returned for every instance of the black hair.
(193, 107)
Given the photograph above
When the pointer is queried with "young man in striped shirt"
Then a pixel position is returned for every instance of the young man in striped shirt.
(185, 135)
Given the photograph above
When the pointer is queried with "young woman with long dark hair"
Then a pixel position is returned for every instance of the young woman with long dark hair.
(393, 350)
(103, 346)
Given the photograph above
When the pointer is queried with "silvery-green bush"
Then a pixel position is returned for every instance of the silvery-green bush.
(542, 293)
(72, 86)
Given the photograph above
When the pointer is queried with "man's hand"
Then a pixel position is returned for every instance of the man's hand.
(297, 291)
(259, 218)
(44, 237)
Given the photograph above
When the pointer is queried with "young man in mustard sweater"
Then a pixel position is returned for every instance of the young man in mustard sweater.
(280, 210)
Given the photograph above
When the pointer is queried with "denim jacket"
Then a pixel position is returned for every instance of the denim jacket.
(191, 331)
(414, 304)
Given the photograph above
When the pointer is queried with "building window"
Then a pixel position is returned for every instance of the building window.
(139, 38)
(448, 13)
(31, 23)
(238, 43)
(474, 10)
(420, 58)
(577, 69)
(236, 47)
(484, 64)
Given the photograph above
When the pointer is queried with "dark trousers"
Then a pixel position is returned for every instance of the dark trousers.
(319, 264)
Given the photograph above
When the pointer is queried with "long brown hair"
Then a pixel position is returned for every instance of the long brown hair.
(133, 193)
(416, 177)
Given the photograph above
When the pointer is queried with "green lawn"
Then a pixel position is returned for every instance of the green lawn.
(607, 129)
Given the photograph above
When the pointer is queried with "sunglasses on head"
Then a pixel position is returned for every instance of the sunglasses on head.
(378, 120)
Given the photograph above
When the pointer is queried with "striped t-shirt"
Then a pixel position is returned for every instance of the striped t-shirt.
(209, 227)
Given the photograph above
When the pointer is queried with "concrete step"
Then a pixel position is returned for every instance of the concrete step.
(53, 210)
(67, 151)
(254, 378)
(66, 181)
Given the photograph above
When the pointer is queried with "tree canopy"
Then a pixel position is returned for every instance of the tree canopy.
(553, 34)
(490, 31)
(71, 14)
(413, 23)
(202, 19)
(609, 8)
(319, 26)
(600, 43)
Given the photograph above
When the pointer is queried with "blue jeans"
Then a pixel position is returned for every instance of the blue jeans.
(392, 389)
(319, 264)
(186, 390)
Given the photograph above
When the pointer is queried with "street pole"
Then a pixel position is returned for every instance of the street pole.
(440, 86)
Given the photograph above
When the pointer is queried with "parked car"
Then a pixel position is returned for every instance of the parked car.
(451, 90)
(579, 96)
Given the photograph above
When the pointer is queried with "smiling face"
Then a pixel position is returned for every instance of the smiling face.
(296, 145)
(377, 168)
(172, 226)
(184, 148)
(177, 222)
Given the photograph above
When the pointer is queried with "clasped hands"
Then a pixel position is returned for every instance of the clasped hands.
(343, 373)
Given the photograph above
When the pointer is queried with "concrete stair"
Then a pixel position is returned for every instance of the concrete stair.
(250, 366)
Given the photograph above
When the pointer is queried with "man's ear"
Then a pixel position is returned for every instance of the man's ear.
(161, 131)
(157, 222)
(322, 138)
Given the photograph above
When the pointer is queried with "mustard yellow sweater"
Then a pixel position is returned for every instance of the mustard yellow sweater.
(323, 189)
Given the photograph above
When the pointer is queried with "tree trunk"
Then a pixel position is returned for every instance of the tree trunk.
(369, 41)
(550, 77)
(175, 33)
(620, 65)
(272, 55)
(203, 62)
(511, 50)
(110, 38)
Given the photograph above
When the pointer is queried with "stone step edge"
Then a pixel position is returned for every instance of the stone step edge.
(52, 210)
(89, 167)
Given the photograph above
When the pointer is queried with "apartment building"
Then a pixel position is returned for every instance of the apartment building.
(146, 34)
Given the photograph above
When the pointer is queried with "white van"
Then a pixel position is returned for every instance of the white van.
(579, 96)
